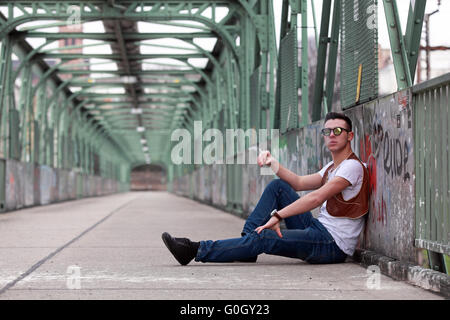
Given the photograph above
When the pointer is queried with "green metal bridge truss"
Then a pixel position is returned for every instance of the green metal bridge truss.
(66, 103)
(67, 108)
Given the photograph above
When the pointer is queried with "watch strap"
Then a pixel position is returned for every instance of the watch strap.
(275, 214)
(278, 216)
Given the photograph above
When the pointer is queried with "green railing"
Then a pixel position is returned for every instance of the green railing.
(431, 101)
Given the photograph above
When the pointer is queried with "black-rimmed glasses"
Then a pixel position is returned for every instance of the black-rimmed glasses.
(336, 131)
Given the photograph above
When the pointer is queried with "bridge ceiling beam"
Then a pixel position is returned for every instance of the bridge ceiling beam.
(144, 82)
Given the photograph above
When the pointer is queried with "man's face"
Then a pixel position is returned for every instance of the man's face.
(337, 143)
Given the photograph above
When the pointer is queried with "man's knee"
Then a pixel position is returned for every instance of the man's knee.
(265, 235)
(277, 184)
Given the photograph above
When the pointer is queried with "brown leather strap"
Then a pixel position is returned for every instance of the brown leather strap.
(277, 216)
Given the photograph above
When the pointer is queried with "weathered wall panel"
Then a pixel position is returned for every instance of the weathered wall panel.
(72, 185)
(28, 187)
(36, 184)
(98, 186)
(85, 186)
(390, 157)
(28, 184)
(47, 184)
(54, 191)
(202, 184)
(63, 192)
(219, 185)
(207, 184)
(79, 184)
(14, 187)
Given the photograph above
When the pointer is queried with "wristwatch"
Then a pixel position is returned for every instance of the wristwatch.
(275, 213)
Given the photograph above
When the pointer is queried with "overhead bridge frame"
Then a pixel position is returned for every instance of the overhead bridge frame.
(245, 39)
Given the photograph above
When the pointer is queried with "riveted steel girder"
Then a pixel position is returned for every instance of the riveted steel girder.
(75, 97)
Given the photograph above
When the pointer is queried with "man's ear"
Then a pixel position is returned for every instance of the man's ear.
(350, 136)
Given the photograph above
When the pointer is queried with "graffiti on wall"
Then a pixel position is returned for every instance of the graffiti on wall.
(386, 148)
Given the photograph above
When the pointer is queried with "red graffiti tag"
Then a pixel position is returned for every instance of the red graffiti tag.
(369, 159)
(379, 211)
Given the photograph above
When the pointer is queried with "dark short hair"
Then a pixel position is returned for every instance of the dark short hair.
(337, 115)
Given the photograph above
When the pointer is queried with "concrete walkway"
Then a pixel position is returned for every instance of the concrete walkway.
(110, 248)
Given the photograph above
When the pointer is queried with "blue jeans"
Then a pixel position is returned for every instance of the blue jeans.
(305, 237)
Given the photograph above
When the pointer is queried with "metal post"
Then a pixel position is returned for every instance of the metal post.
(321, 60)
(5, 95)
(413, 34)
(305, 64)
(332, 55)
(398, 48)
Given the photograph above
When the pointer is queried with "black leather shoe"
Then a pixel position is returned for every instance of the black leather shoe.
(183, 249)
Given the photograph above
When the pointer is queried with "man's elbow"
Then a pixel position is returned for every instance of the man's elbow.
(316, 199)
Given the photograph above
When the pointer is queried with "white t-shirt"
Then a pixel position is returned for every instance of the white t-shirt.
(345, 231)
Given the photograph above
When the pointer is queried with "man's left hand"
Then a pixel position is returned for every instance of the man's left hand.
(273, 224)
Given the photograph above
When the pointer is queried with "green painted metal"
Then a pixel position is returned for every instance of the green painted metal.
(304, 120)
(109, 37)
(60, 10)
(431, 102)
(332, 56)
(76, 117)
(292, 75)
(5, 94)
(289, 81)
(14, 128)
(276, 112)
(359, 52)
(413, 34)
(398, 46)
(255, 120)
(321, 61)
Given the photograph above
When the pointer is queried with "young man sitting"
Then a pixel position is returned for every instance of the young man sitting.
(340, 188)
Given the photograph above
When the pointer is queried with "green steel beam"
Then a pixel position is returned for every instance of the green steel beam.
(5, 94)
(305, 64)
(22, 108)
(232, 87)
(136, 11)
(321, 61)
(398, 47)
(110, 37)
(28, 54)
(313, 8)
(276, 112)
(171, 96)
(81, 46)
(29, 57)
(73, 56)
(121, 84)
(126, 63)
(76, 72)
(413, 34)
(332, 55)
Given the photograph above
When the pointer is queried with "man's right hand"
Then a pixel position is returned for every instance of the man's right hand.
(266, 159)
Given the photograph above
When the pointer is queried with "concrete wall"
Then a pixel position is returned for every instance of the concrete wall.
(29, 184)
(383, 140)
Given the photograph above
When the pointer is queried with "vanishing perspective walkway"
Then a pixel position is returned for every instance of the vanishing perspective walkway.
(110, 248)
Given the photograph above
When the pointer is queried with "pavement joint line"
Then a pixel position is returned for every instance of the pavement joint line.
(51, 255)
(189, 289)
